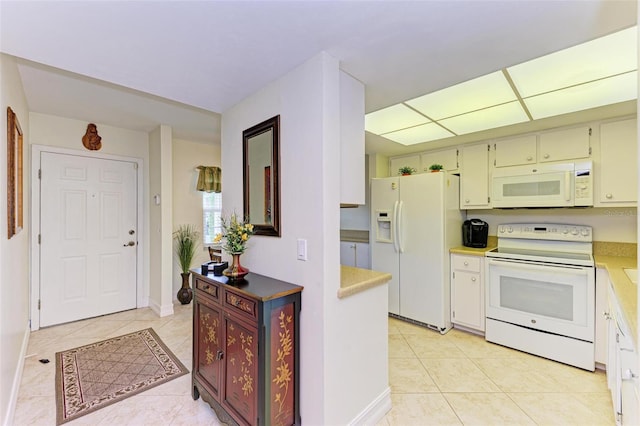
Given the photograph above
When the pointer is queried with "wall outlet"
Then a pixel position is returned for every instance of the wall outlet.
(302, 249)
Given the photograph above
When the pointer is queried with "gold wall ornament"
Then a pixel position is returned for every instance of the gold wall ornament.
(91, 140)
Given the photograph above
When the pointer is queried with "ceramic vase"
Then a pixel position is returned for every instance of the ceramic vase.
(185, 294)
(236, 271)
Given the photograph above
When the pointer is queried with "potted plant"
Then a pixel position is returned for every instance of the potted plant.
(435, 167)
(406, 170)
(236, 233)
(186, 243)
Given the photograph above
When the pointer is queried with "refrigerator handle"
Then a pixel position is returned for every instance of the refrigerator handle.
(399, 227)
(394, 231)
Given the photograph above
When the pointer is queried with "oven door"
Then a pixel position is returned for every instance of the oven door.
(558, 299)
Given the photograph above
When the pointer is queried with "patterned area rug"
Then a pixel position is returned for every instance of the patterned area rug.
(93, 376)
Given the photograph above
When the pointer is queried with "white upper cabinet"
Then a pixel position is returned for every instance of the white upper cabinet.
(407, 161)
(447, 158)
(352, 160)
(618, 163)
(474, 177)
(567, 144)
(516, 151)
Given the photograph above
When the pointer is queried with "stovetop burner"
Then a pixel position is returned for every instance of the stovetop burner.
(549, 243)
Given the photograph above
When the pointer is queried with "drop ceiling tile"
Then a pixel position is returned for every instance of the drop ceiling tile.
(418, 134)
(613, 54)
(393, 118)
(482, 92)
(589, 95)
(489, 118)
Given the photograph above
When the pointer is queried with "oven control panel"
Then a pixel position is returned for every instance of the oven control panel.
(546, 231)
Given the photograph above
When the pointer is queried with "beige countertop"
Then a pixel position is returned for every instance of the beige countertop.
(492, 242)
(626, 291)
(356, 280)
(354, 235)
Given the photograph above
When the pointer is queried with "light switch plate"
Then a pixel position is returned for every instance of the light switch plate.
(302, 249)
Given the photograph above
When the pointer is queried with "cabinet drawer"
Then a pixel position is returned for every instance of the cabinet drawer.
(238, 303)
(467, 263)
(211, 289)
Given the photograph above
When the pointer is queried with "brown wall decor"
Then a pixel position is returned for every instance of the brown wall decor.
(91, 140)
(14, 174)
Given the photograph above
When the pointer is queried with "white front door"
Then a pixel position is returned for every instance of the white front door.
(89, 238)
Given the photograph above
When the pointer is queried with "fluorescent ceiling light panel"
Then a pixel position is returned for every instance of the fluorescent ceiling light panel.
(482, 92)
(489, 118)
(392, 118)
(418, 134)
(589, 95)
(613, 54)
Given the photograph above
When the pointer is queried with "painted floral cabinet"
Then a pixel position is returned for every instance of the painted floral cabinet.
(246, 349)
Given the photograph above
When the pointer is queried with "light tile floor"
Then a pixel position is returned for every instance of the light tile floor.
(456, 379)
(460, 379)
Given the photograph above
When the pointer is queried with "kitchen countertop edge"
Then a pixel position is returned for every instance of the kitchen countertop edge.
(356, 280)
(626, 292)
(471, 251)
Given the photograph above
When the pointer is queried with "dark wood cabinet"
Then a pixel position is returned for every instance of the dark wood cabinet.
(246, 349)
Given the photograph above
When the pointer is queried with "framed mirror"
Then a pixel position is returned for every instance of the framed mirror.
(14, 174)
(261, 176)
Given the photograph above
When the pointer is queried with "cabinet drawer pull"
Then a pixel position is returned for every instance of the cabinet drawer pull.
(466, 263)
(529, 158)
(546, 156)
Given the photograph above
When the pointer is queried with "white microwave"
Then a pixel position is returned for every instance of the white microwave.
(543, 185)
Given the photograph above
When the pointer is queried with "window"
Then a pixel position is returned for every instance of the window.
(211, 216)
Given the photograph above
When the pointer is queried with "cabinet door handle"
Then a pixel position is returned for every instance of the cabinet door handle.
(609, 196)
(466, 200)
(219, 355)
(529, 158)
(546, 156)
(473, 279)
(466, 263)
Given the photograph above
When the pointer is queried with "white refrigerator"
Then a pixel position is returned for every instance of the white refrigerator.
(415, 221)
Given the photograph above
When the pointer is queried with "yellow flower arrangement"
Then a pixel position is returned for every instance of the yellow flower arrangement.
(236, 233)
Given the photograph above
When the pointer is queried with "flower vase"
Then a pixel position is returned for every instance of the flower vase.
(236, 271)
(185, 294)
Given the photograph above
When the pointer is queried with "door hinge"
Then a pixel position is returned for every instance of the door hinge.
(489, 200)
(488, 147)
(454, 275)
(39, 173)
(589, 131)
(39, 238)
(39, 304)
(589, 150)
(135, 166)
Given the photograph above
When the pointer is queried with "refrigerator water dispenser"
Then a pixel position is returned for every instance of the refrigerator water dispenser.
(383, 226)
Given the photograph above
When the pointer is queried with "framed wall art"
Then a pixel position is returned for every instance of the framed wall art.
(14, 174)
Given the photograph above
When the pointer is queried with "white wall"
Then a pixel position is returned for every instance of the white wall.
(609, 224)
(161, 222)
(307, 100)
(187, 201)
(14, 253)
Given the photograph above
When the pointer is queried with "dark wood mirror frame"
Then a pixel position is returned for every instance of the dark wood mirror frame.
(14, 174)
(270, 178)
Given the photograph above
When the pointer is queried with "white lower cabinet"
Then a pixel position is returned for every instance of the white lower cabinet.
(467, 291)
(622, 365)
(354, 254)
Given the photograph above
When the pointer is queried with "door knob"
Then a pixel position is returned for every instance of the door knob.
(129, 244)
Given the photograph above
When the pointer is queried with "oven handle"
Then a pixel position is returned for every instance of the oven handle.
(524, 263)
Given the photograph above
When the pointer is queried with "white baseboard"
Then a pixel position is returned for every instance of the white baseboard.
(375, 411)
(17, 378)
(163, 310)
